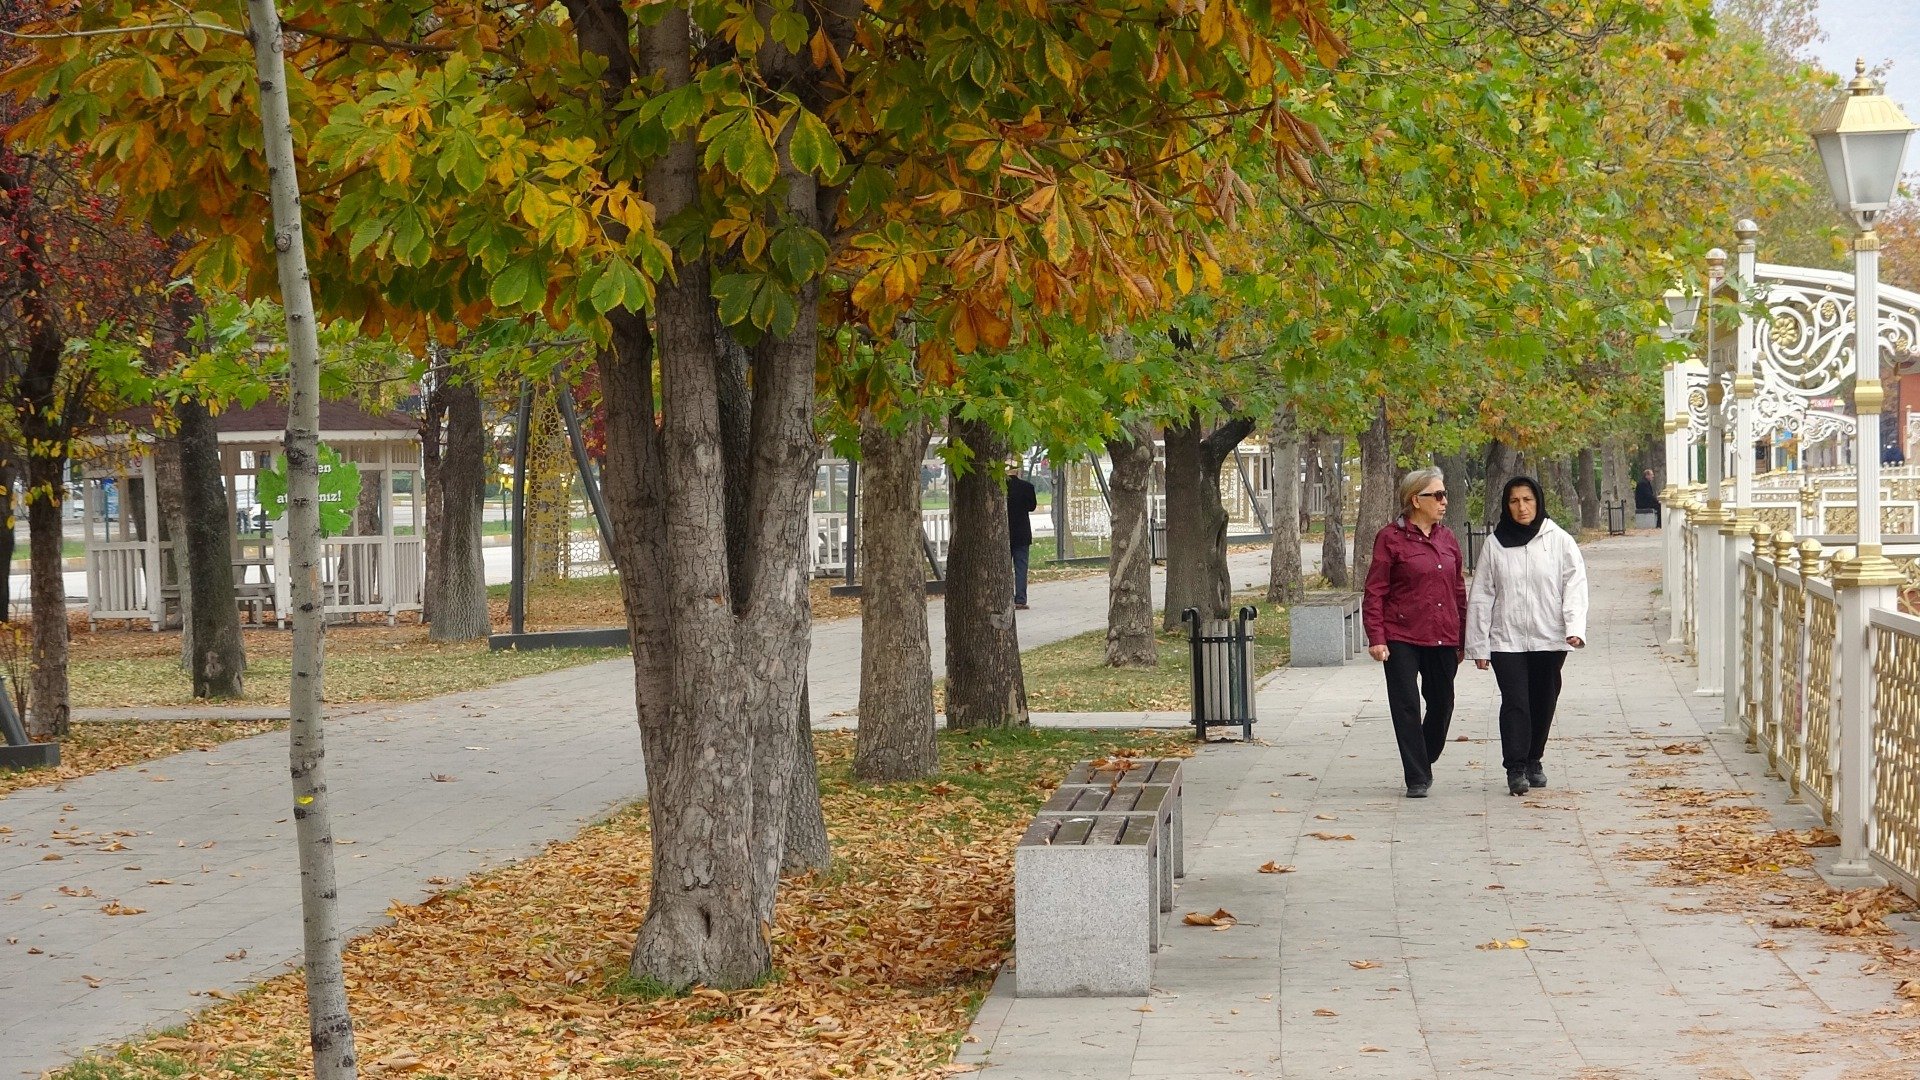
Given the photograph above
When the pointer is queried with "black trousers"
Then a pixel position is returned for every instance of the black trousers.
(1529, 691)
(1415, 672)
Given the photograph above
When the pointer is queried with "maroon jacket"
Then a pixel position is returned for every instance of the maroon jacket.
(1415, 590)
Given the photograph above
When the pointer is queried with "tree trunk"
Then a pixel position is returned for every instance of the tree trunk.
(1560, 469)
(1285, 583)
(1130, 637)
(985, 686)
(1379, 490)
(1333, 540)
(9, 474)
(48, 710)
(170, 492)
(895, 740)
(460, 614)
(433, 434)
(1197, 574)
(1587, 485)
(330, 1025)
(1615, 483)
(1459, 473)
(806, 845)
(1502, 465)
(219, 658)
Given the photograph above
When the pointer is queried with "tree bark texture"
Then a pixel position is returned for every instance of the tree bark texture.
(1559, 472)
(170, 493)
(1503, 464)
(1333, 539)
(1130, 636)
(1459, 474)
(1285, 582)
(433, 435)
(1616, 485)
(1196, 520)
(219, 657)
(895, 740)
(985, 685)
(1379, 489)
(460, 610)
(1587, 483)
(48, 711)
(330, 1024)
(806, 848)
(9, 475)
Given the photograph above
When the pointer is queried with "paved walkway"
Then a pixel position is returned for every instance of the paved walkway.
(1365, 962)
(201, 843)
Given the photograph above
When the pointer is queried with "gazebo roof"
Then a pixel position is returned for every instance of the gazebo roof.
(340, 421)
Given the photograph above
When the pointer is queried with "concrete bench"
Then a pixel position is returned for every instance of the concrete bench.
(1324, 629)
(1086, 905)
(1140, 772)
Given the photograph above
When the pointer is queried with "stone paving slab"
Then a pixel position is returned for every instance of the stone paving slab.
(1364, 962)
(524, 763)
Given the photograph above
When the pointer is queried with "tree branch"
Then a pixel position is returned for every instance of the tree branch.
(350, 39)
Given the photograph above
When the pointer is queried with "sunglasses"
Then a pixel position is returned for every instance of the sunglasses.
(1439, 496)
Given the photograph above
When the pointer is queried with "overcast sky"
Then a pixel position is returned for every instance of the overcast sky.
(1876, 30)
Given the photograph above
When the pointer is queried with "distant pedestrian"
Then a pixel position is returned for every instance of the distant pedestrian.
(1021, 501)
(1414, 612)
(1645, 499)
(1528, 608)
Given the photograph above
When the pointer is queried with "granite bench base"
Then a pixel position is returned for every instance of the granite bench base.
(1324, 629)
(1093, 875)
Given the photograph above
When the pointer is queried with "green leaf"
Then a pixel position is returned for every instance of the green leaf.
(813, 148)
(513, 286)
(800, 253)
(735, 295)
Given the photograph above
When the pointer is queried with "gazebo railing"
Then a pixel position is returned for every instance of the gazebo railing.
(120, 583)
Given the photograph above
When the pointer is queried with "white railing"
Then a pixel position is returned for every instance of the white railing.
(120, 584)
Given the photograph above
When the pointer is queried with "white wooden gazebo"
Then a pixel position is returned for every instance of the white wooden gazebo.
(374, 567)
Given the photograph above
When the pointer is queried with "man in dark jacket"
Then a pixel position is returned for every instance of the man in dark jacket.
(1645, 499)
(1021, 501)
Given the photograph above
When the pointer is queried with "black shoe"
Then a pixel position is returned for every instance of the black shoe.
(1536, 776)
(1517, 782)
(1417, 791)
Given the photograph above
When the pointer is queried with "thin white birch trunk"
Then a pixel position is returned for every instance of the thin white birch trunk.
(327, 1016)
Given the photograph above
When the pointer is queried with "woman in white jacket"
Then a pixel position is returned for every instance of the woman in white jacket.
(1527, 607)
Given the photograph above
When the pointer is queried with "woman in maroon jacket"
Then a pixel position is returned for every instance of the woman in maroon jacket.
(1415, 613)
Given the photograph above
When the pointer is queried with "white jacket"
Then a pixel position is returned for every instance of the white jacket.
(1527, 599)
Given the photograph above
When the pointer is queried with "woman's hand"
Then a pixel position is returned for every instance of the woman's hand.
(1576, 643)
(1481, 664)
(1378, 652)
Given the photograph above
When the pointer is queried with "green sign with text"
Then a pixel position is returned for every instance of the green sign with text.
(339, 491)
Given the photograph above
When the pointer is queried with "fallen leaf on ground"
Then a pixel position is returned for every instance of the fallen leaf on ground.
(1325, 1012)
(1276, 868)
(91, 980)
(115, 907)
(1373, 1049)
(1220, 917)
(1363, 965)
(1330, 836)
(1676, 749)
(1510, 943)
(1326, 817)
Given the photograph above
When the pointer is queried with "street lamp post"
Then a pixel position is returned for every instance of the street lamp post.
(1736, 526)
(1862, 138)
(1682, 311)
(1710, 577)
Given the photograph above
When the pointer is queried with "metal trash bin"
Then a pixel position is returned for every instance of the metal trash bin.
(1617, 519)
(1222, 655)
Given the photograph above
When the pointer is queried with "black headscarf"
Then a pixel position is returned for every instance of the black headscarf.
(1511, 533)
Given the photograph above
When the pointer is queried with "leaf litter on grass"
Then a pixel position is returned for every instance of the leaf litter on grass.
(522, 972)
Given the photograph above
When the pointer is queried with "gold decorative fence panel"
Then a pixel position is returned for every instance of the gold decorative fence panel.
(1765, 663)
(1894, 816)
(1747, 611)
(1823, 614)
(1791, 710)
(1690, 579)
